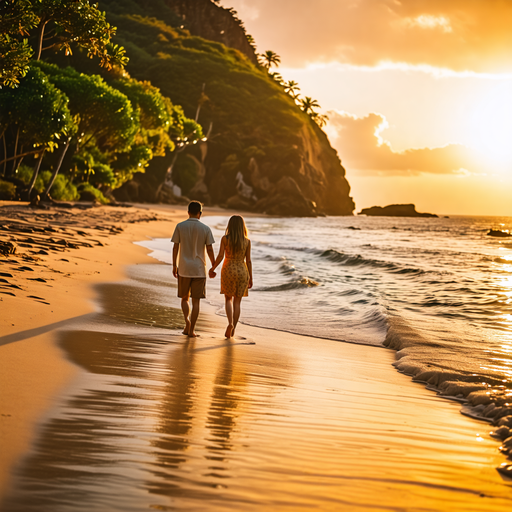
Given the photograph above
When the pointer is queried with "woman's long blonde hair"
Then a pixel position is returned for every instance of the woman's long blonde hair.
(236, 233)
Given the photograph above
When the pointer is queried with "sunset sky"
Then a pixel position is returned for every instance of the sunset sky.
(419, 93)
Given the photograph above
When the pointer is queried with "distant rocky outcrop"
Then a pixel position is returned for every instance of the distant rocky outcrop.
(395, 210)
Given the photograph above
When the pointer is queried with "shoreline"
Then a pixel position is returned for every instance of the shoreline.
(96, 266)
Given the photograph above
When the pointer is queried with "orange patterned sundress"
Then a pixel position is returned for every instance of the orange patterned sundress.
(234, 276)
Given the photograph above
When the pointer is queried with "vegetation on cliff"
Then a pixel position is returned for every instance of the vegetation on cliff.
(257, 134)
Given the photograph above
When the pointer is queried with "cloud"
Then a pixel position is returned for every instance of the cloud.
(362, 148)
(427, 21)
(454, 34)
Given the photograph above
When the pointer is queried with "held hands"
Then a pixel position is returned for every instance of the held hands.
(212, 273)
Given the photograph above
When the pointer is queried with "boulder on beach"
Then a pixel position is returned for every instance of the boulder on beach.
(395, 210)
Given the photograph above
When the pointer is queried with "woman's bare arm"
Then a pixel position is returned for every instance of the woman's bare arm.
(220, 256)
(248, 262)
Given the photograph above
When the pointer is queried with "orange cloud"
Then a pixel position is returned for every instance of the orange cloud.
(454, 34)
(360, 143)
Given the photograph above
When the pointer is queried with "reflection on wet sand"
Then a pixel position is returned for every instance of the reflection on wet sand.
(175, 420)
(183, 443)
(224, 408)
(155, 412)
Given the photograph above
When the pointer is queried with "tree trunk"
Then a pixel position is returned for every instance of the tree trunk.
(34, 175)
(46, 193)
(13, 168)
(199, 103)
(18, 163)
(5, 154)
(40, 35)
(21, 155)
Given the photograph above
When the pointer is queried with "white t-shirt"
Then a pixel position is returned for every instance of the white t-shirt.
(193, 237)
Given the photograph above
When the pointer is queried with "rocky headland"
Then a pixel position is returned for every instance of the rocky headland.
(261, 152)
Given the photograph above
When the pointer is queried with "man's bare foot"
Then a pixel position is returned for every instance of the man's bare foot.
(187, 328)
(193, 335)
(229, 331)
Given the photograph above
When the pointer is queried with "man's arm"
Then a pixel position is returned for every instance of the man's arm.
(175, 249)
(211, 254)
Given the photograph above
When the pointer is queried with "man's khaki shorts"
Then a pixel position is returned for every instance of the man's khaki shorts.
(193, 286)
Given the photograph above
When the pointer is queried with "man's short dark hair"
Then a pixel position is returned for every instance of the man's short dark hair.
(195, 207)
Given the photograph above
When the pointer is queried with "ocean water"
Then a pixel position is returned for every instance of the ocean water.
(158, 421)
(439, 291)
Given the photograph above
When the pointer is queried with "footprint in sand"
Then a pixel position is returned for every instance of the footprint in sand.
(26, 269)
(8, 293)
(39, 279)
(6, 274)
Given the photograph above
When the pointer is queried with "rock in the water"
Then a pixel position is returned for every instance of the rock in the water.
(395, 210)
(505, 470)
(505, 421)
(501, 433)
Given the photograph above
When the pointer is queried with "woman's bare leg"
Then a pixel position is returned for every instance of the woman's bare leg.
(236, 313)
(229, 314)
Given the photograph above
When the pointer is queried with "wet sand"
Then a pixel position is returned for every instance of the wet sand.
(137, 416)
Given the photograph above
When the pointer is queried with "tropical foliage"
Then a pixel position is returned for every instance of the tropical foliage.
(95, 131)
(52, 25)
(269, 59)
(307, 104)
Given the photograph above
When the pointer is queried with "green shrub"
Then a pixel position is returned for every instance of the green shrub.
(103, 175)
(25, 173)
(89, 193)
(62, 189)
(7, 191)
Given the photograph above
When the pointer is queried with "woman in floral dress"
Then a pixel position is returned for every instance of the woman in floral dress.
(236, 273)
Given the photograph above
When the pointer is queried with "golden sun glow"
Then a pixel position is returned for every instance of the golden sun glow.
(491, 127)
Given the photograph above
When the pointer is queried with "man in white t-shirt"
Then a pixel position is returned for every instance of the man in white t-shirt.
(191, 240)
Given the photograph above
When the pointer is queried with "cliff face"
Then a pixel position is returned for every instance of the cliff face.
(263, 153)
(210, 21)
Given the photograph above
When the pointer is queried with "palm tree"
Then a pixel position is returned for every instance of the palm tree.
(320, 119)
(307, 105)
(292, 88)
(269, 59)
(277, 77)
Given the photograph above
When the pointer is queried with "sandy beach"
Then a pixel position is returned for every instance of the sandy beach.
(104, 405)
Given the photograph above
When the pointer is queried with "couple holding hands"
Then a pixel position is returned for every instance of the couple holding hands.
(192, 239)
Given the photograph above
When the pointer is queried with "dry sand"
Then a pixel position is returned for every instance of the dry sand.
(273, 421)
